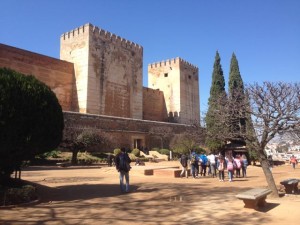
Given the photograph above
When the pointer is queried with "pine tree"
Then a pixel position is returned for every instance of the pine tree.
(217, 91)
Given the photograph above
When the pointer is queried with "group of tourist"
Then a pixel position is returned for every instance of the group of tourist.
(200, 163)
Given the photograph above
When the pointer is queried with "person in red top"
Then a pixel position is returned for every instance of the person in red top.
(293, 161)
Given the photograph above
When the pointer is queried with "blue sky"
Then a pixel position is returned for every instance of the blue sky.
(264, 35)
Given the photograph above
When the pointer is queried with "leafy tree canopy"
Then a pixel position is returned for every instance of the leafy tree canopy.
(31, 119)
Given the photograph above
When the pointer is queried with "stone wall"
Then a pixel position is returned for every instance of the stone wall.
(57, 74)
(154, 105)
(125, 132)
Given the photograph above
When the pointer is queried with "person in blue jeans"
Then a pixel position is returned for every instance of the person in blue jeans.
(244, 165)
(194, 164)
(123, 166)
(230, 168)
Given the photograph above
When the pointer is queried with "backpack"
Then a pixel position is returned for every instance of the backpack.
(204, 161)
(238, 163)
(193, 159)
(124, 162)
(184, 161)
(221, 166)
(230, 165)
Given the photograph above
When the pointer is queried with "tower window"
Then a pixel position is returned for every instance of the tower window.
(166, 74)
(190, 76)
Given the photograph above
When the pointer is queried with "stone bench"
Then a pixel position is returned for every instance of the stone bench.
(168, 172)
(63, 164)
(148, 172)
(290, 185)
(254, 198)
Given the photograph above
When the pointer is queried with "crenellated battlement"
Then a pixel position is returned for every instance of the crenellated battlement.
(75, 32)
(172, 62)
(102, 33)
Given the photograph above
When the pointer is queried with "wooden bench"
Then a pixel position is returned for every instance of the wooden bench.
(254, 198)
(290, 185)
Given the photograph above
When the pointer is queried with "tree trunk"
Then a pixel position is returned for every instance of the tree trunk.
(74, 157)
(269, 177)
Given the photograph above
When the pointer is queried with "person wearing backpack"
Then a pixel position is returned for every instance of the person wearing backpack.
(194, 164)
(221, 165)
(244, 165)
(203, 160)
(231, 166)
(238, 163)
(123, 166)
(184, 164)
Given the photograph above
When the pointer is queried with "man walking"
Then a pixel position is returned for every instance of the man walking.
(184, 164)
(123, 166)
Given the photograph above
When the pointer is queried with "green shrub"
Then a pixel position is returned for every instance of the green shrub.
(132, 157)
(24, 194)
(86, 158)
(136, 152)
(117, 151)
(155, 149)
(51, 154)
(164, 151)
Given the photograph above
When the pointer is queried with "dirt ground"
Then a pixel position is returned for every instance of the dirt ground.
(91, 195)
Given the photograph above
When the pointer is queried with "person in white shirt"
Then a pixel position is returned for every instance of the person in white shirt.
(213, 169)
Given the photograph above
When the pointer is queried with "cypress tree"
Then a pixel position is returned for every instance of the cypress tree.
(217, 91)
(237, 98)
(236, 85)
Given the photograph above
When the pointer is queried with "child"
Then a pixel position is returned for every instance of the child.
(221, 167)
(230, 168)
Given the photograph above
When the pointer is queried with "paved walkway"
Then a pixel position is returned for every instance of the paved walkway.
(92, 196)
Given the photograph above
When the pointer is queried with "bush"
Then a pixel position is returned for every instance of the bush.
(155, 149)
(136, 152)
(87, 159)
(164, 151)
(13, 196)
(132, 157)
(51, 154)
(31, 120)
(117, 151)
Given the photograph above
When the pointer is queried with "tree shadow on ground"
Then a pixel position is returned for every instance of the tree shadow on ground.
(79, 192)
(38, 168)
(147, 203)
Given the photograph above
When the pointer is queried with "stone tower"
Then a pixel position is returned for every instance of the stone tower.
(179, 82)
(108, 72)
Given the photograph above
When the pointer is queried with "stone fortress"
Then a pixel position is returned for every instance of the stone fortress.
(99, 78)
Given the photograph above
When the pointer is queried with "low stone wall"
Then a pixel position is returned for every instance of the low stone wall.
(125, 131)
